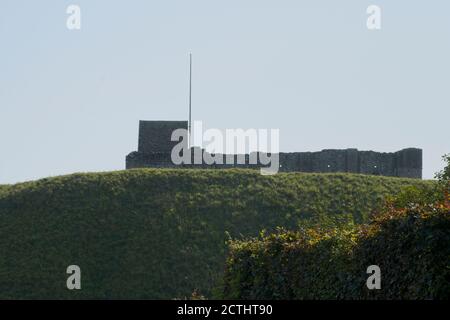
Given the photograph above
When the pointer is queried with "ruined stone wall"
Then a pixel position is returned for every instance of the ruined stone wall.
(155, 148)
(404, 163)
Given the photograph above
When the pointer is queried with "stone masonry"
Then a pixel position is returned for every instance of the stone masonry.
(155, 146)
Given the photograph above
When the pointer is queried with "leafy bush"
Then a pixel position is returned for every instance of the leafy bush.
(409, 240)
(159, 233)
(286, 265)
(412, 248)
(444, 179)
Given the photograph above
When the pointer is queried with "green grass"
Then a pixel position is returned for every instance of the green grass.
(159, 233)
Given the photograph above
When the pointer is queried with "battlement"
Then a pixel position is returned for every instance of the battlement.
(155, 148)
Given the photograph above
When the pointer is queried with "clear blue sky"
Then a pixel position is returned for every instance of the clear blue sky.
(70, 101)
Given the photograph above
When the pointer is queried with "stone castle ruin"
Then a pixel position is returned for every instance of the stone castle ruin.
(155, 147)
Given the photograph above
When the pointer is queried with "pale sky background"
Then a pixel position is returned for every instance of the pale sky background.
(70, 101)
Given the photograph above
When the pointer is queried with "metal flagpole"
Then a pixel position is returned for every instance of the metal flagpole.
(190, 97)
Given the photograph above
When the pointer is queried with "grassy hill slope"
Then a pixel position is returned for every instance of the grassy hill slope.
(159, 233)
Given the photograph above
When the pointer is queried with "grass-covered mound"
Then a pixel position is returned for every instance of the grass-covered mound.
(409, 240)
(158, 233)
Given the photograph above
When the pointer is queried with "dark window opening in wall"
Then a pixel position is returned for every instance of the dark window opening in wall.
(375, 170)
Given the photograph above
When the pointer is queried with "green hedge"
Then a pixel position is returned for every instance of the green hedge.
(158, 233)
(411, 246)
